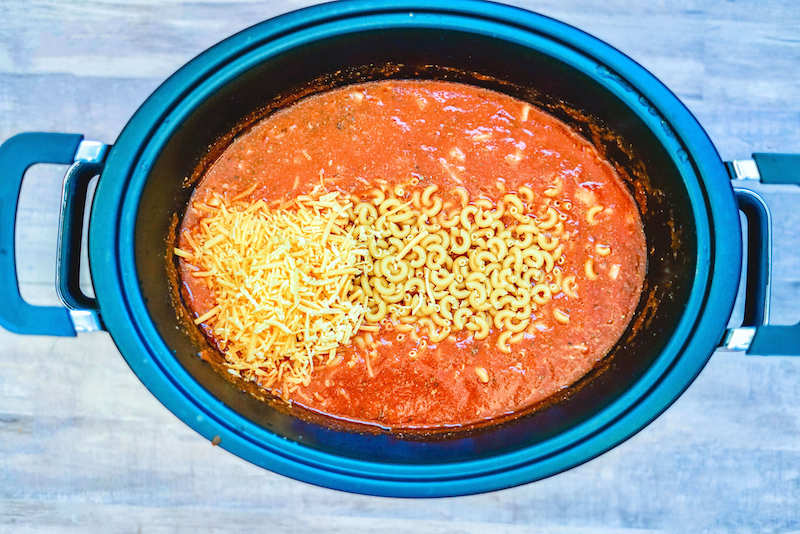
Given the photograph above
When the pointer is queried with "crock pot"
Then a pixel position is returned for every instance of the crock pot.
(684, 192)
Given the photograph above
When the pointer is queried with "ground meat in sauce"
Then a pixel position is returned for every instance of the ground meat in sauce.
(448, 134)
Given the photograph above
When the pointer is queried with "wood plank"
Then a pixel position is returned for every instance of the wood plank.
(85, 447)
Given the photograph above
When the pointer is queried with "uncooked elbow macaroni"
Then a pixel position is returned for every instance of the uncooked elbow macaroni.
(481, 265)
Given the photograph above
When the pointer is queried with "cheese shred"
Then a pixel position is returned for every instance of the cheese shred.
(281, 281)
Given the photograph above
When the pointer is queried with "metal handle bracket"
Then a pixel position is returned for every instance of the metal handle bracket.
(756, 335)
(88, 163)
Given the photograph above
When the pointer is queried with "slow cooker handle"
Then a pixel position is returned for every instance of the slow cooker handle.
(17, 154)
(756, 335)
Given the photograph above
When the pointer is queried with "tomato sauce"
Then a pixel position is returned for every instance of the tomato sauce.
(450, 135)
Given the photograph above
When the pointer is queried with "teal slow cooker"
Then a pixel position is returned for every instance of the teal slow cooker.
(688, 205)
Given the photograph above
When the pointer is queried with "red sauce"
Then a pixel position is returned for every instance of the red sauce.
(448, 134)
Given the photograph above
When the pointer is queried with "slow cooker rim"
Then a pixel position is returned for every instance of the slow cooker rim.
(117, 321)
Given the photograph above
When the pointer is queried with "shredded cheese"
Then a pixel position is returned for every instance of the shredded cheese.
(281, 281)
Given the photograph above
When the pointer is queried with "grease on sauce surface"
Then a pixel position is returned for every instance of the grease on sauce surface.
(418, 133)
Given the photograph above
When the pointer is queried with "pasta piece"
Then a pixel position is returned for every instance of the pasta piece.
(482, 374)
(591, 214)
(502, 342)
(588, 269)
(602, 250)
(555, 188)
(560, 316)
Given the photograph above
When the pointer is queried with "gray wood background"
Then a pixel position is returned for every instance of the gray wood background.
(84, 447)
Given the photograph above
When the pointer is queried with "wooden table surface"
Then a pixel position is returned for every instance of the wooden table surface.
(85, 447)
